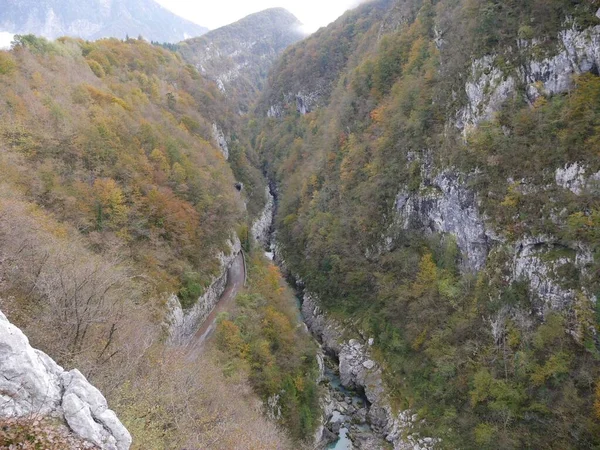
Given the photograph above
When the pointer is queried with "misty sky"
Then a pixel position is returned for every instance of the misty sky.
(216, 13)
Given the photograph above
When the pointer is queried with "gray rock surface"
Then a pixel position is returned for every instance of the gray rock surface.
(533, 264)
(489, 87)
(575, 178)
(305, 101)
(261, 228)
(219, 138)
(359, 370)
(579, 52)
(183, 324)
(486, 91)
(32, 383)
(445, 205)
(329, 332)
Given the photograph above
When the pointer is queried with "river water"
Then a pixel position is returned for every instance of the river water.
(344, 420)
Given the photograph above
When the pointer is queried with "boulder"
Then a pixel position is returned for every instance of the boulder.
(32, 383)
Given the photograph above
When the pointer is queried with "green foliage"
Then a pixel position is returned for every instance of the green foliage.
(192, 288)
(243, 232)
(263, 332)
(7, 63)
(387, 97)
(130, 169)
(36, 44)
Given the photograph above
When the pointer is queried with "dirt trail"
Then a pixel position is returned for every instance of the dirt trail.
(235, 282)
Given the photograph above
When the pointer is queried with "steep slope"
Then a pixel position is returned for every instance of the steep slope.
(95, 19)
(437, 165)
(115, 195)
(238, 56)
(34, 384)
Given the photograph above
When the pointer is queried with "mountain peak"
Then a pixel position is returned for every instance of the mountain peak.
(238, 56)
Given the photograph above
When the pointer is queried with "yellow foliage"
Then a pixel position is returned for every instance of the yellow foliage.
(512, 197)
(105, 98)
(420, 340)
(597, 401)
(377, 114)
(7, 63)
(427, 276)
(160, 160)
(230, 339)
(111, 200)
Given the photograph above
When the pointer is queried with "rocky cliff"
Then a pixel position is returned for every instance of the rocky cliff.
(32, 384)
(489, 87)
(262, 226)
(182, 324)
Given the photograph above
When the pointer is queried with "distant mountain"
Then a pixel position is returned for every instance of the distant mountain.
(239, 56)
(94, 19)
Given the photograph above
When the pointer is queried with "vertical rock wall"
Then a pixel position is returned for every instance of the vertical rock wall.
(183, 324)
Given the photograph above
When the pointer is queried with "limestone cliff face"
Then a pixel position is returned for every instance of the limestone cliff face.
(359, 371)
(489, 86)
(182, 324)
(31, 383)
(444, 205)
(261, 228)
(220, 139)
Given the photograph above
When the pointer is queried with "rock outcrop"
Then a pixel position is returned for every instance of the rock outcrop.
(488, 88)
(359, 371)
(261, 228)
(576, 178)
(444, 205)
(31, 383)
(542, 262)
(220, 139)
(305, 101)
(183, 324)
(578, 51)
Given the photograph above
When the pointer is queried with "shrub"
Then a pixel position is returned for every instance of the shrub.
(7, 63)
(32, 433)
(96, 68)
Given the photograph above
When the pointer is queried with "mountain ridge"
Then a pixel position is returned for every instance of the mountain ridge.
(95, 19)
(238, 56)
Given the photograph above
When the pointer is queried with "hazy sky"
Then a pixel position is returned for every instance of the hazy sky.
(5, 39)
(216, 13)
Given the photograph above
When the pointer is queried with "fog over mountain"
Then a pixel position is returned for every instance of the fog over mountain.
(95, 19)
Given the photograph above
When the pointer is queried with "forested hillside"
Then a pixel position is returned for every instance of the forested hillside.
(114, 195)
(238, 56)
(437, 165)
(435, 170)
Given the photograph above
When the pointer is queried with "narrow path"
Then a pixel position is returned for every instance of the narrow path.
(235, 282)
